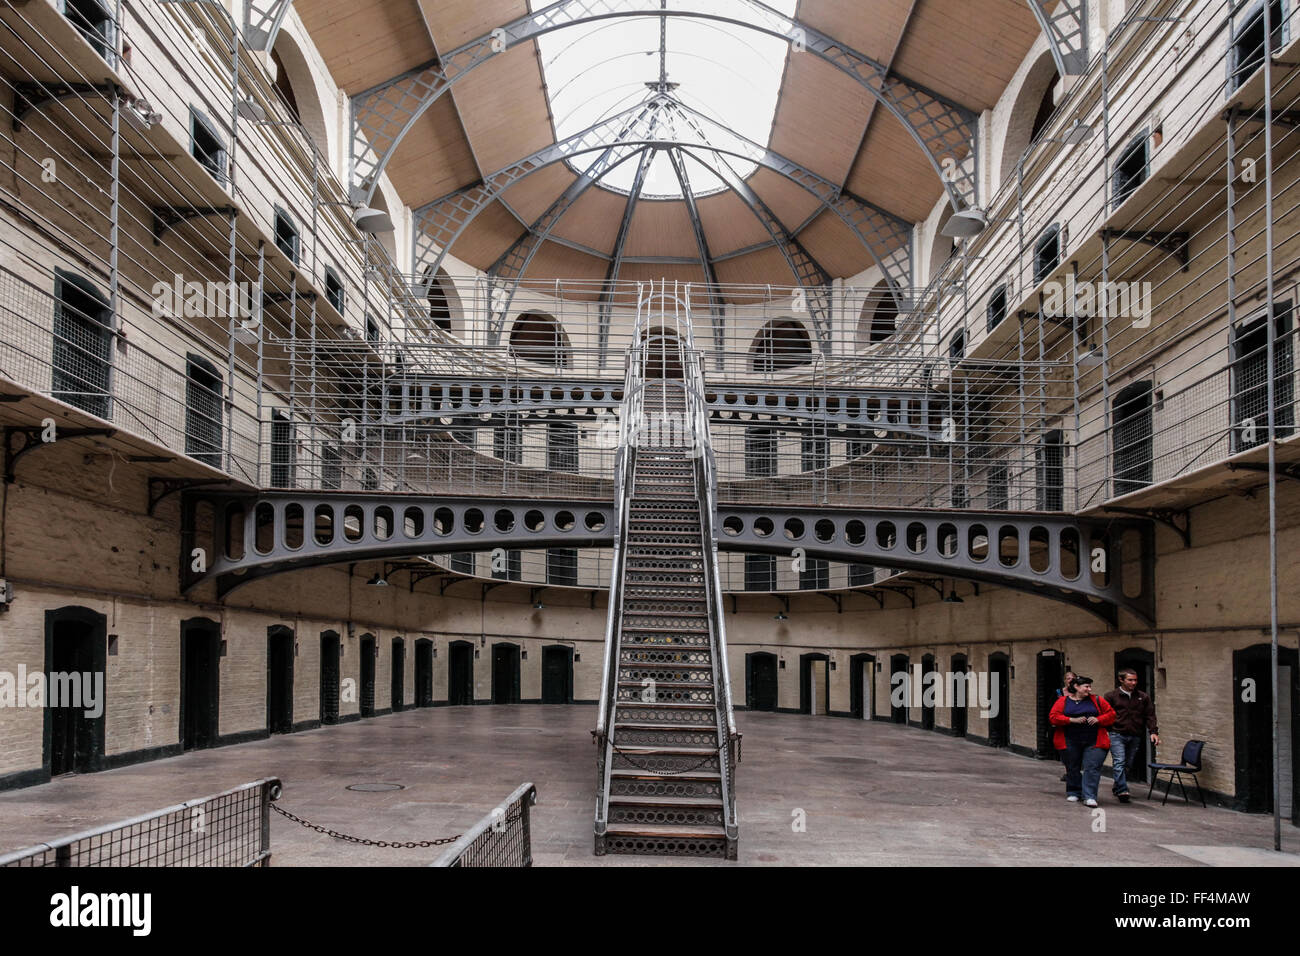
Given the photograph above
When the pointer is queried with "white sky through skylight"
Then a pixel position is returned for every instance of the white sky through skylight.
(729, 73)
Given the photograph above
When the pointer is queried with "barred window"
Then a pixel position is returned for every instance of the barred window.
(83, 340)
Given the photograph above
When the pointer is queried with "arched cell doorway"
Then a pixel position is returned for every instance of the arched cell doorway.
(369, 648)
(814, 684)
(959, 712)
(557, 674)
(505, 673)
(900, 688)
(297, 88)
(460, 673)
(761, 681)
(862, 683)
(1000, 700)
(200, 682)
(1050, 677)
(1143, 662)
(1252, 696)
(930, 690)
(397, 675)
(329, 677)
(423, 672)
(76, 684)
(279, 679)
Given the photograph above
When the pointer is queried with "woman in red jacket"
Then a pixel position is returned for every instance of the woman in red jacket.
(1081, 719)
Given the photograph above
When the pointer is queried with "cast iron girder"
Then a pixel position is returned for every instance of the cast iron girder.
(513, 264)
(32, 96)
(31, 440)
(358, 527)
(716, 308)
(616, 257)
(160, 488)
(382, 116)
(1067, 33)
(811, 278)
(1174, 243)
(885, 236)
(261, 27)
(941, 542)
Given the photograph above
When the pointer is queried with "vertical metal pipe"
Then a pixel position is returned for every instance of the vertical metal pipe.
(233, 271)
(1073, 346)
(114, 243)
(1272, 416)
(260, 329)
(1104, 310)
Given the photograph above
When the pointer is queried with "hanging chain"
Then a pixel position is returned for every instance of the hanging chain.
(408, 845)
(672, 773)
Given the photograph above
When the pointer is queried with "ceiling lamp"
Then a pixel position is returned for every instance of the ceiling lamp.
(251, 110)
(1089, 359)
(378, 580)
(952, 598)
(371, 220)
(1078, 134)
(964, 224)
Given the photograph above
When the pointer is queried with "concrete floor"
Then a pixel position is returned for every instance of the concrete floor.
(871, 793)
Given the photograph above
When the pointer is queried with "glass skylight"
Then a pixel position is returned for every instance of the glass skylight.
(729, 73)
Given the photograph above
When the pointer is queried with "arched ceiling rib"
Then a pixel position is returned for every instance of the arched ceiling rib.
(826, 122)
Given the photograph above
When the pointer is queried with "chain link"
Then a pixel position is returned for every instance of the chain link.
(408, 845)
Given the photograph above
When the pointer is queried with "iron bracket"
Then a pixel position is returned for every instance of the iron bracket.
(167, 217)
(837, 599)
(32, 440)
(1174, 243)
(160, 488)
(907, 592)
(31, 96)
(1166, 516)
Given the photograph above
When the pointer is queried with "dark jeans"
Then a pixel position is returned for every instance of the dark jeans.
(1083, 760)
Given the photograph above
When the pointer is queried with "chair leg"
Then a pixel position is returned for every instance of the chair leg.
(1155, 777)
(1196, 780)
(1182, 787)
(1167, 787)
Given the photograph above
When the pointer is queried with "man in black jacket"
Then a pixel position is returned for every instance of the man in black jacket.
(1135, 718)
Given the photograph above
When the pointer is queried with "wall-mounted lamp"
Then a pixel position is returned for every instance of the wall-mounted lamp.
(378, 580)
(784, 613)
(964, 224)
(251, 110)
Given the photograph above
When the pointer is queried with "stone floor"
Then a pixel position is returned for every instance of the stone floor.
(869, 792)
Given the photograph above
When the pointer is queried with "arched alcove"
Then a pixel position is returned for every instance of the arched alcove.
(538, 338)
(297, 88)
(878, 319)
(779, 345)
(445, 311)
(1034, 107)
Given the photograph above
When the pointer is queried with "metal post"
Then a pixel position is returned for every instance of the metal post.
(1074, 364)
(1104, 311)
(1272, 415)
(260, 328)
(114, 242)
(233, 274)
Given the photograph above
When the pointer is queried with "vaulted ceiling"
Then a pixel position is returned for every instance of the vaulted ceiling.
(825, 121)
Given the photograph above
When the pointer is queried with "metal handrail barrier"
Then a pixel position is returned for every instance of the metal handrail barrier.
(503, 838)
(231, 828)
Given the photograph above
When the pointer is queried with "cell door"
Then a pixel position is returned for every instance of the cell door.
(557, 674)
(424, 673)
(74, 698)
(1253, 728)
(900, 685)
(1051, 676)
(761, 681)
(862, 671)
(460, 673)
(1144, 662)
(279, 680)
(329, 678)
(367, 677)
(959, 709)
(505, 674)
(200, 669)
(1000, 723)
(398, 675)
(927, 708)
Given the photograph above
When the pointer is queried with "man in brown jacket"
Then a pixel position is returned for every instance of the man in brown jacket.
(1135, 717)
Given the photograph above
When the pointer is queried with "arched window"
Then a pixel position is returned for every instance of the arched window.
(779, 345)
(997, 307)
(1047, 253)
(537, 337)
(83, 336)
(878, 319)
